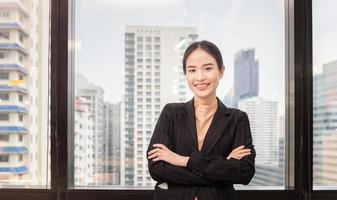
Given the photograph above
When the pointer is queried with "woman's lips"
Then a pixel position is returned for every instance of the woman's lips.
(201, 86)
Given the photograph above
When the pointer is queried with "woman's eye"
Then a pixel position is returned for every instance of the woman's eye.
(191, 70)
(209, 68)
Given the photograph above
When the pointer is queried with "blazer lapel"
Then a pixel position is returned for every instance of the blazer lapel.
(217, 127)
(189, 124)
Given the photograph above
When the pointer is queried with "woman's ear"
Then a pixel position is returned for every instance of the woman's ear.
(222, 71)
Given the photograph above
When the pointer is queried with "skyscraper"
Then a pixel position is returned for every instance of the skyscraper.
(93, 98)
(246, 74)
(325, 124)
(263, 122)
(83, 144)
(24, 41)
(153, 77)
(111, 124)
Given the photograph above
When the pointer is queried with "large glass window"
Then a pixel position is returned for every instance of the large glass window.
(109, 125)
(324, 94)
(24, 123)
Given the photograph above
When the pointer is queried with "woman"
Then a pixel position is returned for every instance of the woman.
(199, 149)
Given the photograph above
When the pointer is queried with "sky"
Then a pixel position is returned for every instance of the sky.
(230, 24)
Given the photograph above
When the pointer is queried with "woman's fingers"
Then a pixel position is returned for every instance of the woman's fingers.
(239, 154)
(160, 146)
(238, 149)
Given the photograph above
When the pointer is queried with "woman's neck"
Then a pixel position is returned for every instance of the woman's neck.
(205, 102)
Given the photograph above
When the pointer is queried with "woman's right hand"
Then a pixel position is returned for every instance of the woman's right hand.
(239, 153)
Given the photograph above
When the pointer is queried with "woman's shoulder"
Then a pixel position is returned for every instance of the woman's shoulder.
(236, 112)
(173, 107)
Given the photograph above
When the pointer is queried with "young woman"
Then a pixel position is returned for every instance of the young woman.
(199, 149)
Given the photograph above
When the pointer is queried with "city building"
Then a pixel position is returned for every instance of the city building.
(246, 74)
(263, 118)
(24, 105)
(153, 77)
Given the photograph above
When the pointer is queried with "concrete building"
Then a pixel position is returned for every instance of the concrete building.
(263, 119)
(153, 77)
(325, 124)
(246, 74)
(24, 107)
(93, 96)
(83, 144)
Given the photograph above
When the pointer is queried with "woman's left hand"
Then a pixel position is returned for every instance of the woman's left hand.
(161, 152)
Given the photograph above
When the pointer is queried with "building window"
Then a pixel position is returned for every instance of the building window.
(21, 38)
(21, 118)
(20, 158)
(156, 39)
(21, 56)
(20, 138)
(4, 117)
(4, 138)
(3, 54)
(4, 158)
(20, 98)
(4, 75)
(4, 34)
(4, 96)
(4, 14)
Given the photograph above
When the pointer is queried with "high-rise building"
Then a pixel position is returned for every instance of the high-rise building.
(246, 74)
(111, 126)
(274, 175)
(230, 100)
(325, 124)
(24, 64)
(263, 120)
(93, 98)
(83, 144)
(153, 77)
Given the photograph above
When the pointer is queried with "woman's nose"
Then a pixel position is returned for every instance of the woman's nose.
(200, 75)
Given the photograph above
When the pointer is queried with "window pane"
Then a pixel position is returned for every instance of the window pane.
(24, 93)
(131, 66)
(324, 93)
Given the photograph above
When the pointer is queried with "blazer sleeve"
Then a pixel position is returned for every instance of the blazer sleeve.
(162, 171)
(219, 169)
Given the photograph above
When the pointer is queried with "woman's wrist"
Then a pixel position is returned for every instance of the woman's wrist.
(183, 161)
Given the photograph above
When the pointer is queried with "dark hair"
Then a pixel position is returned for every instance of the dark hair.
(207, 46)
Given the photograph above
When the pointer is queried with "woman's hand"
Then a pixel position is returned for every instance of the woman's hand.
(239, 153)
(161, 152)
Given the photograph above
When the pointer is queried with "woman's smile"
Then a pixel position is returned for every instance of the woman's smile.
(201, 86)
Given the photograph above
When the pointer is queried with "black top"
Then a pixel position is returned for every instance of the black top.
(208, 175)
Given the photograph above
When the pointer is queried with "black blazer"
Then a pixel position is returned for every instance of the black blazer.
(208, 175)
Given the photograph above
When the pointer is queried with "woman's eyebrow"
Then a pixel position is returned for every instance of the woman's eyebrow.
(206, 64)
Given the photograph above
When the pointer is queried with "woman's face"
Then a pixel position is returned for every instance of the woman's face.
(202, 74)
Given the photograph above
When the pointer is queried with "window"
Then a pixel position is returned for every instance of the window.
(20, 138)
(20, 98)
(4, 96)
(3, 54)
(4, 158)
(4, 138)
(156, 76)
(4, 14)
(21, 57)
(4, 34)
(4, 117)
(4, 75)
(324, 95)
(21, 118)
(25, 55)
